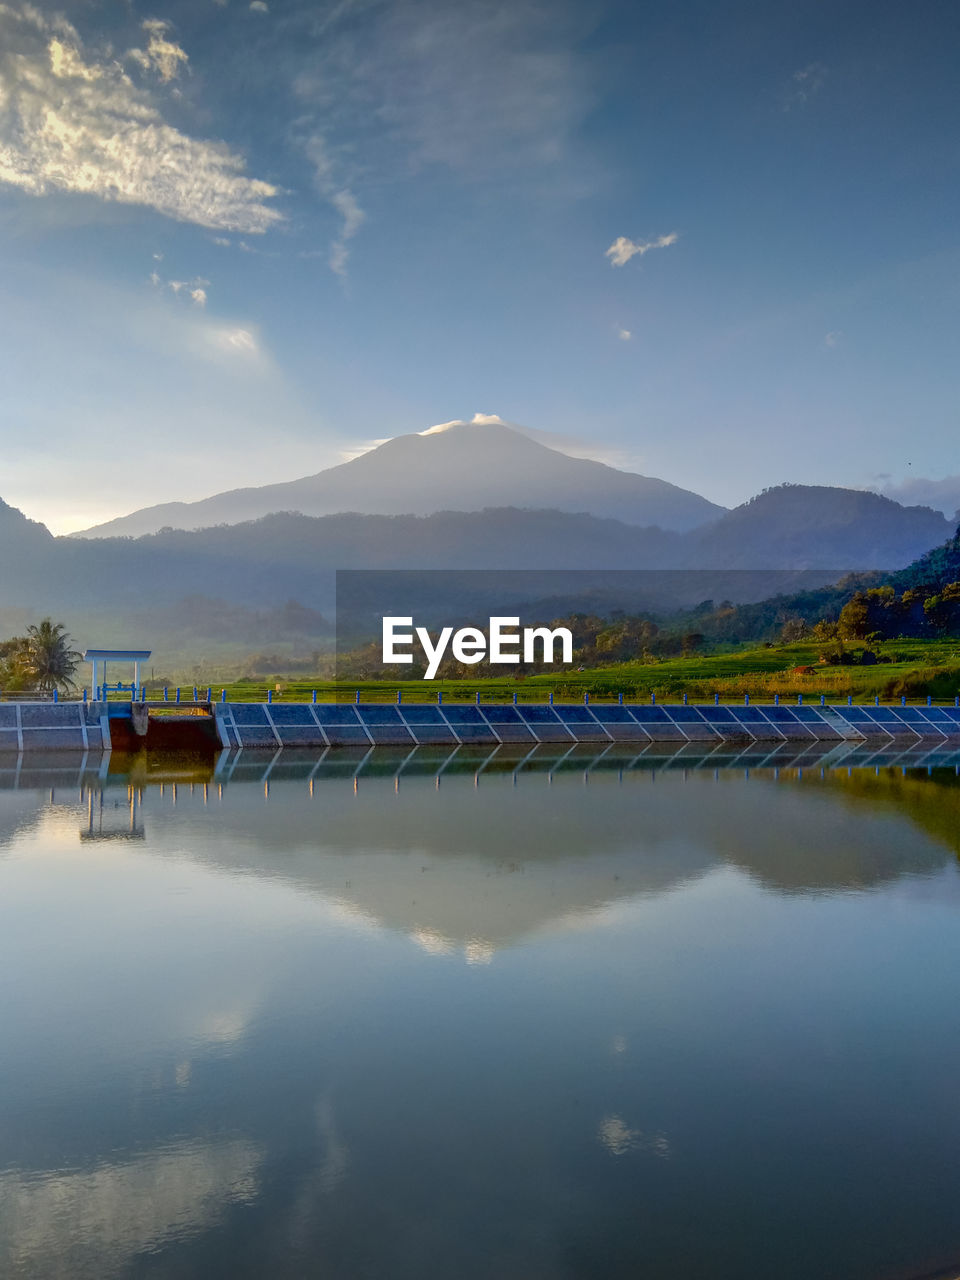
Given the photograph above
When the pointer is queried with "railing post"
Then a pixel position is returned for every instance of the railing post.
(178, 693)
(653, 698)
(799, 699)
(223, 695)
(746, 699)
(478, 697)
(684, 699)
(849, 699)
(823, 700)
(439, 697)
(586, 699)
(776, 699)
(514, 697)
(269, 695)
(929, 700)
(55, 693)
(551, 699)
(620, 699)
(399, 696)
(716, 699)
(357, 698)
(314, 695)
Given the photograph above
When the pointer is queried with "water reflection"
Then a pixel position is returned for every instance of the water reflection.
(554, 1015)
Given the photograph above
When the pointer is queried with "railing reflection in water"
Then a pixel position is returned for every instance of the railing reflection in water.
(91, 773)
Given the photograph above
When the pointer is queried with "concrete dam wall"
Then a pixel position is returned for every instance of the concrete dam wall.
(487, 724)
(48, 726)
(129, 726)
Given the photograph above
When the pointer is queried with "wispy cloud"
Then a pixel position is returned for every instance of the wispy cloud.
(624, 335)
(75, 122)
(195, 290)
(258, 6)
(623, 249)
(804, 85)
(235, 342)
(327, 179)
(477, 86)
(833, 338)
(395, 94)
(161, 55)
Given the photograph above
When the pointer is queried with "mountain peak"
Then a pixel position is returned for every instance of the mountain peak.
(455, 466)
(478, 420)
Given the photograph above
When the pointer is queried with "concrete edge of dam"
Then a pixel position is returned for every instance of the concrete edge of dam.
(98, 726)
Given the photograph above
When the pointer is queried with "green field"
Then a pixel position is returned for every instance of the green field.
(909, 668)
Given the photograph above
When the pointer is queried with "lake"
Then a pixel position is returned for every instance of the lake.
(480, 1016)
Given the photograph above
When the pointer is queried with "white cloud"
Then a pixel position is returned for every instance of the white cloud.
(832, 339)
(199, 296)
(258, 6)
(358, 450)
(624, 335)
(622, 249)
(162, 55)
(240, 342)
(943, 495)
(74, 123)
(478, 420)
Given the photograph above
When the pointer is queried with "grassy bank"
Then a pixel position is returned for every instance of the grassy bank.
(911, 668)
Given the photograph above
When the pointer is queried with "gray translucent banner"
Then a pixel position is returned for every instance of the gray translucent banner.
(680, 606)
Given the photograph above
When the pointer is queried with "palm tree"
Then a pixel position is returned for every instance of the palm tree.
(50, 660)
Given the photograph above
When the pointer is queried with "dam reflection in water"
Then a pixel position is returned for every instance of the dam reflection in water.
(419, 1014)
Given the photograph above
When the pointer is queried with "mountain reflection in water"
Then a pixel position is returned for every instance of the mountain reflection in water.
(474, 1014)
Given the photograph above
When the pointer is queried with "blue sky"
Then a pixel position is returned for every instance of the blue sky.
(716, 244)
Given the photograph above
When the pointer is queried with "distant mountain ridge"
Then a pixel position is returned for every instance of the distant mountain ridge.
(811, 526)
(280, 557)
(464, 467)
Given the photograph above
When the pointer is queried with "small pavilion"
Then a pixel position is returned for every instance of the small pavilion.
(95, 656)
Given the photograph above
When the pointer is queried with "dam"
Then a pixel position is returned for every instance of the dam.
(212, 725)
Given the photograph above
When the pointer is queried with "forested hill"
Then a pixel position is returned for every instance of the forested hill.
(816, 526)
(937, 569)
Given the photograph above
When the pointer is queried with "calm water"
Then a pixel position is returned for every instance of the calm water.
(549, 1022)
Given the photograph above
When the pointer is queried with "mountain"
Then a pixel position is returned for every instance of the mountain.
(464, 467)
(816, 526)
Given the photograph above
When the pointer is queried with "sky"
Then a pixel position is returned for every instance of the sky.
(240, 241)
